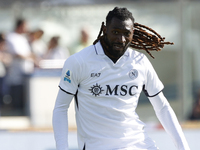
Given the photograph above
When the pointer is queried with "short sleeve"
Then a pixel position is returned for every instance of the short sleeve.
(153, 85)
(70, 75)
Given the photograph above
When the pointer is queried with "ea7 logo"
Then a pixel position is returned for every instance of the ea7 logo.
(95, 74)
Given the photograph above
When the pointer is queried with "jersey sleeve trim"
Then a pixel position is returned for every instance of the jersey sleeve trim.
(95, 49)
(147, 94)
(65, 91)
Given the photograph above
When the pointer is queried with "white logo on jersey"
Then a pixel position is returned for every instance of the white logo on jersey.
(133, 74)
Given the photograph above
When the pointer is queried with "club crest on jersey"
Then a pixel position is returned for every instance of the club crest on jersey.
(133, 74)
(68, 76)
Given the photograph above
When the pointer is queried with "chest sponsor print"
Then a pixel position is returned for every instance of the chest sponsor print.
(117, 90)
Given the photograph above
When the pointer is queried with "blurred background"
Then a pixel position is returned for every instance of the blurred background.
(37, 36)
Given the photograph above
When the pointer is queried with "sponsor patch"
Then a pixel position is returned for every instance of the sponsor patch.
(95, 74)
(67, 76)
(96, 90)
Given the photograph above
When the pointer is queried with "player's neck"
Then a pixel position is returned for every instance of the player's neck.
(105, 49)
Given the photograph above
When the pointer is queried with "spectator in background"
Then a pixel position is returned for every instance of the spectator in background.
(22, 64)
(38, 46)
(4, 62)
(55, 51)
(195, 115)
(83, 42)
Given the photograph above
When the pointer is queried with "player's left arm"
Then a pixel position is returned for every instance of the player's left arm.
(169, 121)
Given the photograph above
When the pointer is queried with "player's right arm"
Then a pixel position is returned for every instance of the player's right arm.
(60, 119)
(70, 79)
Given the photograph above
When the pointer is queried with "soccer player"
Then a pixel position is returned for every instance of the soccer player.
(106, 80)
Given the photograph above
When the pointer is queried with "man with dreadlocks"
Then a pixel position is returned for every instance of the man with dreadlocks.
(106, 80)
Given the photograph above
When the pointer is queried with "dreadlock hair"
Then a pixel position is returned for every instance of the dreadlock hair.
(144, 38)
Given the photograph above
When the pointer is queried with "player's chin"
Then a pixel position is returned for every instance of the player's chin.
(118, 53)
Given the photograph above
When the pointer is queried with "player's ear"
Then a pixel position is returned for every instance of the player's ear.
(104, 30)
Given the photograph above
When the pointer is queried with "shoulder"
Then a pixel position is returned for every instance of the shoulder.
(86, 51)
(85, 54)
(13, 35)
(81, 56)
(137, 56)
(9, 36)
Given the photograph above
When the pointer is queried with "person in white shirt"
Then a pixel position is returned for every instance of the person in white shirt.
(38, 45)
(22, 63)
(55, 51)
(83, 41)
(106, 80)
